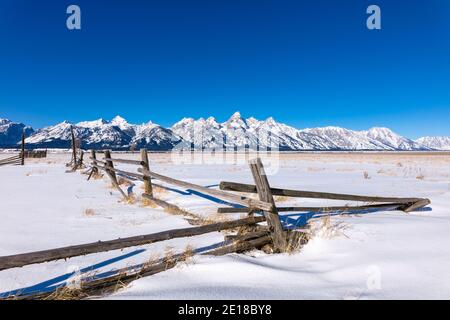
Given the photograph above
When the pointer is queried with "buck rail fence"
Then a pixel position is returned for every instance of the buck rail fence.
(254, 235)
(16, 159)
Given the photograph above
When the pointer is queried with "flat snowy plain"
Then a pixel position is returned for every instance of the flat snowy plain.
(377, 255)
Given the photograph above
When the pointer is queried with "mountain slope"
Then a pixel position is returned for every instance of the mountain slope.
(435, 143)
(101, 134)
(11, 133)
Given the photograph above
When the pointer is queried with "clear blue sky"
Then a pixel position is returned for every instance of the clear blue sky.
(306, 63)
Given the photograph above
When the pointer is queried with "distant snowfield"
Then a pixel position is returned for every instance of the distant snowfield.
(383, 255)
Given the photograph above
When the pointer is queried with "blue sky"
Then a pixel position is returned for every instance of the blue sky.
(306, 63)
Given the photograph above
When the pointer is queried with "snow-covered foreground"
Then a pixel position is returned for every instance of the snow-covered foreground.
(374, 255)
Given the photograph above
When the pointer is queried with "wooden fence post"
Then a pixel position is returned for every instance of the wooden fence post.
(22, 153)
(94, 157)
(146, 166)
(265, 194)
(112, 173)
(74, 148)
(94, 169)
(110, 164)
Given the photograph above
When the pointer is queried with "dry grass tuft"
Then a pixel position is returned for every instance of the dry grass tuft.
(89, 212)
(420, 176)
(124, 181)
(97, 176)
(327, 228)
(66, 293)
(148, 203)
(295, 241)
(158, 191)
(214, 218)
(187, 255)
(131, 199)
(280, 198)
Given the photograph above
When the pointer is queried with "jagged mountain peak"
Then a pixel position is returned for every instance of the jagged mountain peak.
(91, 124)
(118, 120)
(236, 116)
(4, 121)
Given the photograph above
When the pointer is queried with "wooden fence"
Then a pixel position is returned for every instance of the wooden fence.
(257, 236)
(17, 159)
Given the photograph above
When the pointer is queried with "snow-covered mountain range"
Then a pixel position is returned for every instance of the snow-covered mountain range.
(11, 133)
(116, 134)
(235, 133)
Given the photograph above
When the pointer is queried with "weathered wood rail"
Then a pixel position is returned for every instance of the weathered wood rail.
(405, 204)
(20, 260)
(124, 276)
(16, 159)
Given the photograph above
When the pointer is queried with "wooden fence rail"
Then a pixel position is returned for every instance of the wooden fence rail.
(14, 160)
(20, 260)
(405, 204)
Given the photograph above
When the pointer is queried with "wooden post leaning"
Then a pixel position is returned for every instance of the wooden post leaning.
(94, 164)
(111, 173)
(278, 235)
(145, 165)
(110, 164)
(22, 153)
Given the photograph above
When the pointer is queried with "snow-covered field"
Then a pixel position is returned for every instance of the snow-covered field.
(379, 255)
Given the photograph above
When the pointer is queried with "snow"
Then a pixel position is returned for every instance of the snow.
(377, 255)
(438, 143)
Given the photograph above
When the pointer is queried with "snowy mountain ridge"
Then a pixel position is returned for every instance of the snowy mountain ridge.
(232, 134)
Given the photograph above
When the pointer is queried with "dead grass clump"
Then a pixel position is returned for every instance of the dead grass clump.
(280, 198)
(148, 203)
(186, 257)
(89, 212)
(215, 218)
(66, 293)
(97, 176)
(157, 190)
(131, 199)
(169, 257)
(366, 175)
(420, 176)
(124, 181)
(327, 228)
(295, 241)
